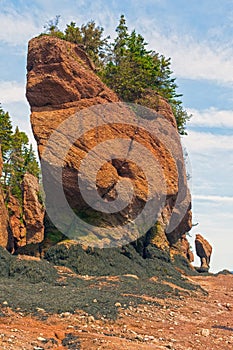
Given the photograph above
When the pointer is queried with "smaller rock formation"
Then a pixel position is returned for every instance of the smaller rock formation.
(203, 250)
(17, 221)
(33, 210)
(185, 249)
(27, 218)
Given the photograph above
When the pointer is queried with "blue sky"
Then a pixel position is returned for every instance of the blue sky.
(198, 36)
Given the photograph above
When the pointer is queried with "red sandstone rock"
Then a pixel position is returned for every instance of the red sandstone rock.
(33, 210)
(61, 82)
(185, 248)
(203, 250)
(17, 223)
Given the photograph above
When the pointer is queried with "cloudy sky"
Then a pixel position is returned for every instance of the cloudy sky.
(198, 36)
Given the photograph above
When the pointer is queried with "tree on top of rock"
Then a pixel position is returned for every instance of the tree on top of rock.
(132, 72)
(5, 132)
(51, 28)
(126, 65)
(88, 35)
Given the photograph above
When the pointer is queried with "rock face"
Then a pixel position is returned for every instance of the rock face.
(185, 249)
(6, 240)
(17, 223)
(60, 82)
(27, 218)
(204, 251)
(33, 210)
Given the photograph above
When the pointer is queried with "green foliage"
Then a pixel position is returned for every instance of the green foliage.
(126, 65)
(5, 132)
(73, 33)
(132, 72)
(18, 157)
(88, 35)
(51, 28)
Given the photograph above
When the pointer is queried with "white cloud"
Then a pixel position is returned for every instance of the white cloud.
(215, 224)
(211, 117)
(11, 91)
(206, 141)
(192, 59)
(17, 28)
(221, 199)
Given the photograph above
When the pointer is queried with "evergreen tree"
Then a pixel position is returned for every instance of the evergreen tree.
(73, 33)
(18, 157)
(126, 65)
(5, 132)
(30, 162)
(120, 43)
(51, 28)
(132, 71)
(91, 37)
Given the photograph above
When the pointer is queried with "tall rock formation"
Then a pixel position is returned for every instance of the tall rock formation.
(61, 82)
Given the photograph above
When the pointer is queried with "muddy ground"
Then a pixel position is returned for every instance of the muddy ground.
(47, 306)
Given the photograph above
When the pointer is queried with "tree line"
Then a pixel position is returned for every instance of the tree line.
(18, 157)
(126, 65)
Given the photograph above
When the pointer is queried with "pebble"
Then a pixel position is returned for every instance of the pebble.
(42, 339)
(118, 304)
(205, 332)
(139, 337)
(59, 335)
(91, 319)
(5, 303)
(39, 309)
(169, 346)
(95, 301)
(151, 337)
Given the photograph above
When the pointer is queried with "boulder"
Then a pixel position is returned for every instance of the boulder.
(61, 81)
(204, 251)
